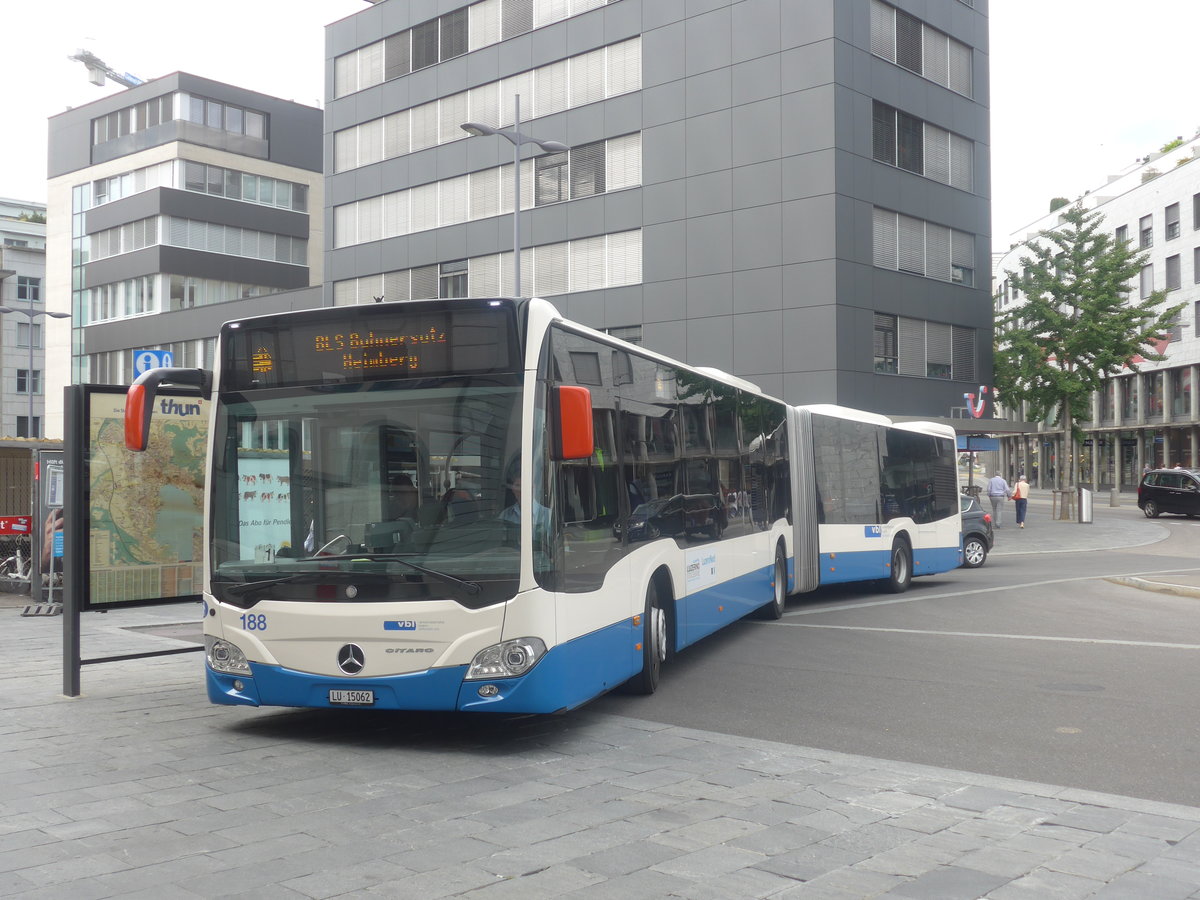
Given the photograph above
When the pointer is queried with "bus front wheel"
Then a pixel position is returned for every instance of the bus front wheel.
(654, 644)
(774, 609)
(900, 576)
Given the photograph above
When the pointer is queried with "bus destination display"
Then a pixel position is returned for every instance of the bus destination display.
(324, 349)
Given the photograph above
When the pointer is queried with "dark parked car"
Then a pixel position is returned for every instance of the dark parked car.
(1170, 491)
(977, 537)
(683, 514)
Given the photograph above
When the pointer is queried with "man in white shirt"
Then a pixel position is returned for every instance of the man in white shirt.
(998, 491)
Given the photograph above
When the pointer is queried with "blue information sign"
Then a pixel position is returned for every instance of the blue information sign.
(145, 360)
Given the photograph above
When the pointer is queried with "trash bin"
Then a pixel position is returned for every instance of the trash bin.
(1085, 506)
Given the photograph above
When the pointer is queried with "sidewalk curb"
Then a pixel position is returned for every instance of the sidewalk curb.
(1178, 590)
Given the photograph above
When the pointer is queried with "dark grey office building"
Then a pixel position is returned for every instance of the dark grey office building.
(175, 206)
(795, 191)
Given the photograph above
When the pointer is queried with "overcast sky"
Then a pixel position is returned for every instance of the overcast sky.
(1080, 88)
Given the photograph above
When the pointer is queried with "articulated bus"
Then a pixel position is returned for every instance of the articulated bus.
(477, 505)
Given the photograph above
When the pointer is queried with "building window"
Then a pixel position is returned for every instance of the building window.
(454, 33)
(452, 279)
(23, 381)
(885, 344)
(1129, 400)
(23, 427)
(1145, 232)
(910, 146)
(1181, 391)
(1172, 221)
(906, 244)
(906, 41)
(551, 174)
(24, 329)
(29, 289)
(1154, 386)
(925, 349)
(1196, 211)
(1108, 401)
(909, 143)
(1173, 276)
(425, 45)
(631, 334)
(1122, 234)
(1147, 281)
(587, 170)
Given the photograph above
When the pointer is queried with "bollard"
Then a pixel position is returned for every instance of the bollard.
(1114, 499)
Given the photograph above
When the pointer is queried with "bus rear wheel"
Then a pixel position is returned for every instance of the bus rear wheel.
(654, 644)
(900, 576)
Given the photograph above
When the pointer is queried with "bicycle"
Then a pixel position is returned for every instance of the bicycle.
(16, 567)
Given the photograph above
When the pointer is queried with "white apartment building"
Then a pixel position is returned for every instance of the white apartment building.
(22, 344)
(1152, 416)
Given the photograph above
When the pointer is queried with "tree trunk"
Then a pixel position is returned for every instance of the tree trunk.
(1071, 457)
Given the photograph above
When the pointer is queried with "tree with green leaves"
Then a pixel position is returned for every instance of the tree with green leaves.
(1077, 325)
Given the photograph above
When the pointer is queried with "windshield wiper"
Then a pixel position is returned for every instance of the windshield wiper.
(248, 587)
(472, 588)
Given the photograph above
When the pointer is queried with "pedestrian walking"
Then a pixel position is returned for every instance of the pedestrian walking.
(1021, 495)
(998, 491)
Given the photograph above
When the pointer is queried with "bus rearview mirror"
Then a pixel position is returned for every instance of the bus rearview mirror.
(573, 435)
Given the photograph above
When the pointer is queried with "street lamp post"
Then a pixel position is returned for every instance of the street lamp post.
(513, 135)
(32, 314)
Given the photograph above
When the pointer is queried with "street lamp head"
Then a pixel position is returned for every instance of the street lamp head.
(552, 146)
(475, 129)
(33, 314)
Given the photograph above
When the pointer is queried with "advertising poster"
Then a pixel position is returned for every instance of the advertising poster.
(145, 510)
(47, 539)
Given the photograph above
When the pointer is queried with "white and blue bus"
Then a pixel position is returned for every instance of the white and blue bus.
(478, 505)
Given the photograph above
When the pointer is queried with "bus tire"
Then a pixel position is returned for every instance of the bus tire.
(654, 644)
(900, 570)
(774, 609)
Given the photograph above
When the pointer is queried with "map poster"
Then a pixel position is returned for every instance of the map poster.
(144, 534)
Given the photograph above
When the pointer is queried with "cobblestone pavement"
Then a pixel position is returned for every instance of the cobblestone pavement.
(140, 788)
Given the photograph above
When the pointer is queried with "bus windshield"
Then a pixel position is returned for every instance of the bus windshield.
(385, 490)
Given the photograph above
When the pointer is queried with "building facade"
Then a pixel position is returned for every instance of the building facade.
(175, 206)
(22, 343)
(796, 193)
(1150, 417)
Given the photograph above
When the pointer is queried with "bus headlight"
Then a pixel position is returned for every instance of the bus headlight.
(225, 657)
(507, 660)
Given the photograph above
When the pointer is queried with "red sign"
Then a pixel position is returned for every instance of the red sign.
(14, 525)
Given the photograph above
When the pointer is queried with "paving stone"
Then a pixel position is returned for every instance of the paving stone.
(1092, 818)
(633, 885)
(996, 860)
(949, 883)
(843, 884)
(626, 858)
(1139, 886)
(709, 863)
(909, 861)
(1044, 884)
(809, 862)
(1091, 864)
